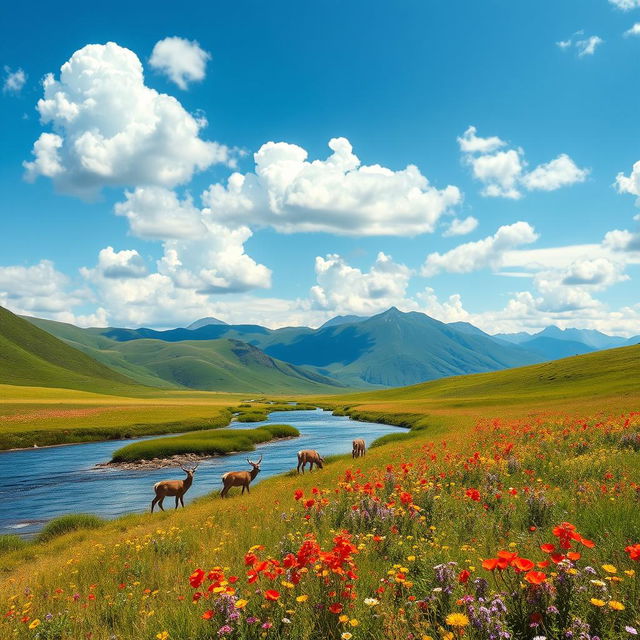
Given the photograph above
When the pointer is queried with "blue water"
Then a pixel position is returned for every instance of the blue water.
(39, 484)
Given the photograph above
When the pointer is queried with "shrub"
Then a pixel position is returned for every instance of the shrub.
(11, 543)
(65, 524)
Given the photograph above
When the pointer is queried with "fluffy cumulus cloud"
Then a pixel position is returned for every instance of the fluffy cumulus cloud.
(633, 31)
(14, 81)
(182, 61)
(110, 129)
(503, 173)
(629, 184)
(43, 291)
(344, 289)
(337, 195)
(485, 253)
(459, 227)
(121, 264)
(199, 253)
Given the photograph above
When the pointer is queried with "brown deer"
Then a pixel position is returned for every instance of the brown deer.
(175, 488)
(240, 478)
(310, 456)
(359, 448)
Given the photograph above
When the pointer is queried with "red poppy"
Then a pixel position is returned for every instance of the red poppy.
(196, 578)
(272, 595)
(207, 615)
(634, 551)
(298, 493)
(336, 607)
(463, 576)
(523, 564)
(535, 577)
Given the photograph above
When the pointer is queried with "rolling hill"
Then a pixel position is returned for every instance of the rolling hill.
(30, 356)
(390, 349)
(223, 364)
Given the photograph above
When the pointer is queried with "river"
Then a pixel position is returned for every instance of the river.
(40, 484)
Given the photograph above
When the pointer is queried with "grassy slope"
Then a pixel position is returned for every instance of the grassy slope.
(207, 533)
(604, 378)
(214, 364)
(30, 356)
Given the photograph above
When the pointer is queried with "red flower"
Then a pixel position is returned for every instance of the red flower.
(474, 494)
(523, 564)
(535, 577)
(272, 595)
(634, 551)
(490, 564)
(196, 578)
(463, 576)
(298, 493)
(336, 607)
(207, 615)
(548, 548)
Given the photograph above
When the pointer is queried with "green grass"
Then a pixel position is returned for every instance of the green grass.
(141, 563)
(66, 524)
(214, 442)
(11, 543)
(31, 356)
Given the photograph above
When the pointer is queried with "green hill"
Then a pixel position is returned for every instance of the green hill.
(600, 374)
(32, 357)
(224, 364)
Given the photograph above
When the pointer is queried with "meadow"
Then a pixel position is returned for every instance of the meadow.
(508, 511)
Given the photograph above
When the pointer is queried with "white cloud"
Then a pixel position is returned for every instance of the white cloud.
(39, 289)
(14, 81)
(503, 172)
(459, 227)
(555, 174)
(121, 264)
(337, 195)
(588, 46)
(182, 61)
(584, 46)
(199, 253)
(347, 290)
(110, 129)
(484, 253)
(629, 184)
(469, 142)
(622, 240)
(599, 273)
(626, 5)
(633, 31)
(158, 213)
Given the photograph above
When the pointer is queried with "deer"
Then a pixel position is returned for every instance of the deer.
(175, 488)
(312, 457)
(359, 448)
(240, 478)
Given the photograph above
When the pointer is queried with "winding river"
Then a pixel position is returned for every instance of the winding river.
(39, 484)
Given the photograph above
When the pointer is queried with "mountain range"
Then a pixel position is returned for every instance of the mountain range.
(386, 350)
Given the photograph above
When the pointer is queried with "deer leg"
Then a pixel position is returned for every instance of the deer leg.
(160, 503)
(248, 489)
(182, 501)
(299, 463)
(177, 501)
(223, 493)
(154, 502)
(310, 466)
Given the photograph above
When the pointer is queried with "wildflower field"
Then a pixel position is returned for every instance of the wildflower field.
(493, 526)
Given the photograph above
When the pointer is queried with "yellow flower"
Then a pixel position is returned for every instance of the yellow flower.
(346, 636)
(240, 604)
(609, 568)
(457, 620)
(302, 598)
(354, 623)
(616, 606)
(343, 618)
(34, 624)
(163, 635)
(596, 602)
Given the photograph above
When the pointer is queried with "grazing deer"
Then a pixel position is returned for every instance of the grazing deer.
(175, 488)
(359, 448)
(310, 456)
(240, 478)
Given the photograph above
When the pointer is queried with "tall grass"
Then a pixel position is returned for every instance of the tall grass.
(65, 524)
(213, 442)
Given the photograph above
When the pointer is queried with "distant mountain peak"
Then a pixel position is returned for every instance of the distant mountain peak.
(203, 322)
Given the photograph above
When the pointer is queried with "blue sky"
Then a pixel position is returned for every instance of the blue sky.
(549, 230)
